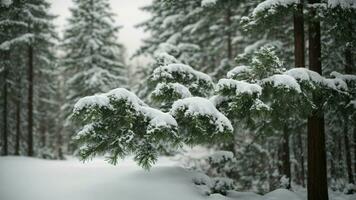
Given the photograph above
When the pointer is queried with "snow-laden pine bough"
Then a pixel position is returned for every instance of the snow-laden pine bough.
(118, 123)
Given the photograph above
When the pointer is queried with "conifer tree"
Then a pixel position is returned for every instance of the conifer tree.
(93, 58)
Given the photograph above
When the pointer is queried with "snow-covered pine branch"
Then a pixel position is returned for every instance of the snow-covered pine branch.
(118, 123)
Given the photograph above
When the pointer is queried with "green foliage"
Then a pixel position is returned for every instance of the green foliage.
(118, 124)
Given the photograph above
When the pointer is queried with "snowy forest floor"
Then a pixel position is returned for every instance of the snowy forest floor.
(34, 179)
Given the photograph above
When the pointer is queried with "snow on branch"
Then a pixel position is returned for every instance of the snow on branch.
(201, 121)
(118, 123)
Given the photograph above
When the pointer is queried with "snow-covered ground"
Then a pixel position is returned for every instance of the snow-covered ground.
(34, 179)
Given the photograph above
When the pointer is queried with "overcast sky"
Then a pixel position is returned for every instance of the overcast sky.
(128, 15)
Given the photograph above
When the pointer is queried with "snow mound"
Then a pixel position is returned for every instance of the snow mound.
(280, 194)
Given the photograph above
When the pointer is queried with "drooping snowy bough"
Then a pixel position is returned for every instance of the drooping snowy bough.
(118, 123)
(200, 122)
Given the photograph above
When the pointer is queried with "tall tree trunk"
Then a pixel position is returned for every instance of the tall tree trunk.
(299, 43)
(5, 90)
(348, 70)
(299, 61)
(286, 156)
(30, 101)
(348, 153)
(18, 127)
(228, 32)
(317, 170)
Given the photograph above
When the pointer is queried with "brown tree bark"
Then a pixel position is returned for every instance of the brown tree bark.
(317, 170)
(299, 60)
(30, 151)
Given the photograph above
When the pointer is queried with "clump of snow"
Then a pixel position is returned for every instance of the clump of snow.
(205, 3)
(303, 74)
(103, 100)
(177, 88)
(98, 100)
(6, 3)
(335, 84)
(195, 106)
(168, 70)
(285, 81)
(221, 156)
(238, 70)
(218, 99)
(165, 59)
(158, 118)
(344, 4)
(271, 5)
(344, 77)
(240, 87)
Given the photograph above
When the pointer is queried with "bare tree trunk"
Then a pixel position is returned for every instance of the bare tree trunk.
(30, 101)
(317, 170)
(5, 133)
(286, 156)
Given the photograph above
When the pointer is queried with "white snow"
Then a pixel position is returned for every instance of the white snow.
(177, 88)
(270, 5)
(344, 4)
(34, 179)
(285, 81)
(344, 77)
(201, 106)
(238, 70)
(220, 156)
(240, 87)
(166, 72)
(156, 117)
(6, 3)
(303, 74)
(205, 3)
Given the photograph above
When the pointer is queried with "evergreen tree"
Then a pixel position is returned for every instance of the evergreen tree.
(93, 59)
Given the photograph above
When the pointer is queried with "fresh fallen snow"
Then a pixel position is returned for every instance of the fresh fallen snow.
(240, 87)
(284, 81)
(205, 3)
(270, 5)
(34, 179)
(202, 106)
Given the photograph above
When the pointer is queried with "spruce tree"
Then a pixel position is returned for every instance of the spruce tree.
(93, 58)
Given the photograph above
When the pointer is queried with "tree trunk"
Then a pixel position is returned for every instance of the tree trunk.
(348, 70)
(299, 61)
(228, 33)
(30, 101)
(5, 134)
(348, 153)
(299, 43)
(317, 170)
(286, 156)
(18, 127)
